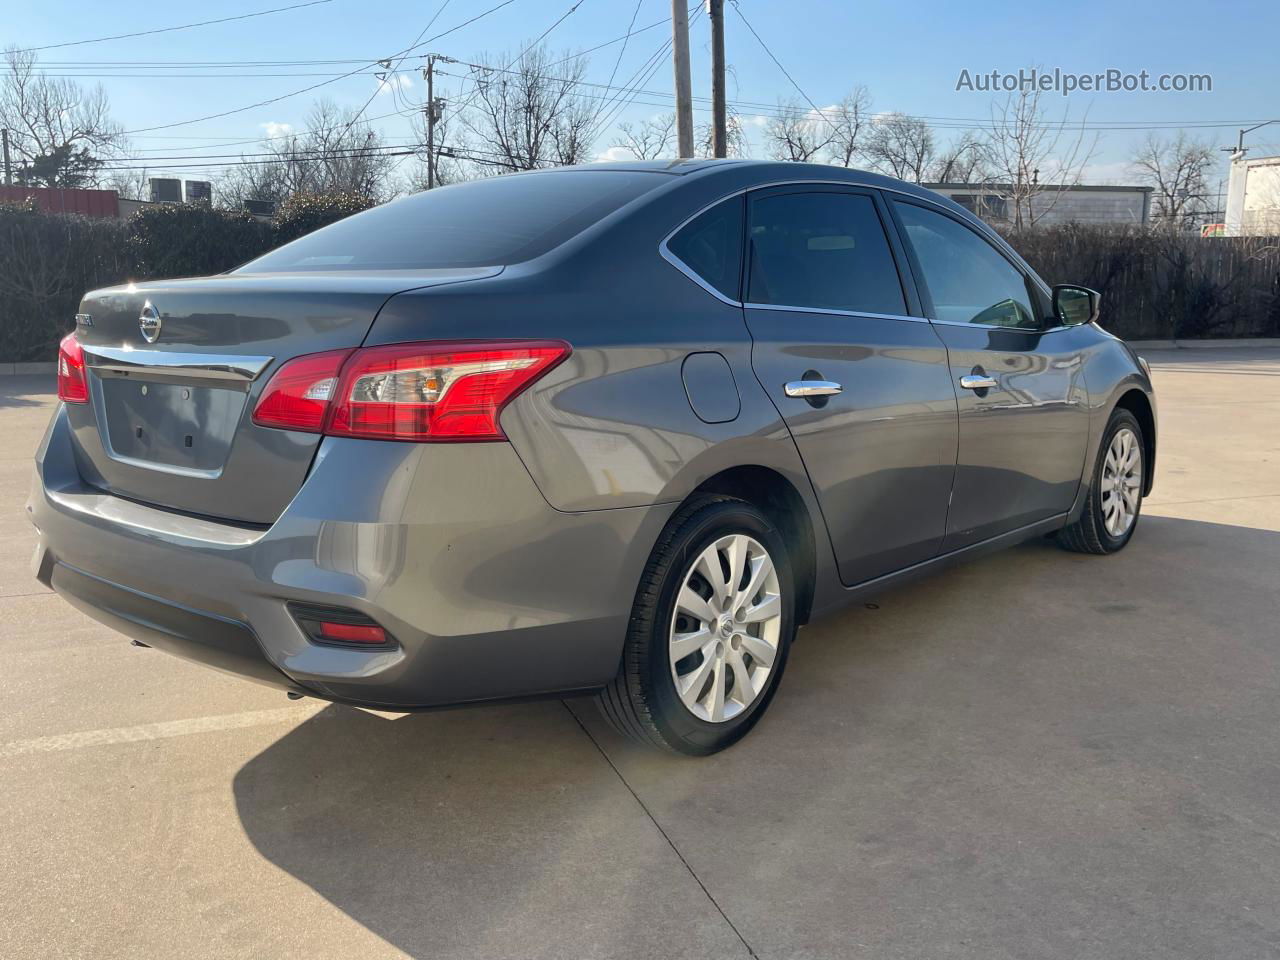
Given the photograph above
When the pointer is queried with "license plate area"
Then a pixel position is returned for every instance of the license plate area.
(169, 424)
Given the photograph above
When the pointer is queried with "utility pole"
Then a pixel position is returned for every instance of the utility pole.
(430, 109)
(8, 170)
(719, 129)
(684, 84)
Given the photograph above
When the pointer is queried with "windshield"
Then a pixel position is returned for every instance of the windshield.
(492, 222)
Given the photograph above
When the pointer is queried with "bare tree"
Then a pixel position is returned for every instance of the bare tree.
(337, 152)
(649, 139)
(849, 121)
(963, 161)
(735, 137)
(59, 132)
(798, 134)
(530, 114)
(1179, 170)
(129, 184)
(1034, 159)
(901, 146)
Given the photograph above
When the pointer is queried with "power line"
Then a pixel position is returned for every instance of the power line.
(335, 155)
(404, 53)
(642, 76)
(545, 33)
(184, 26)
(778, 63)
(618, 60)
(314, 86)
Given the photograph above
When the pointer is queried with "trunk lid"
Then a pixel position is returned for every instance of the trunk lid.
(175, 368)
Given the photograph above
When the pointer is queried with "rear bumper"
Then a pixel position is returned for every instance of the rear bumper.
(489, 591)
(222, 644)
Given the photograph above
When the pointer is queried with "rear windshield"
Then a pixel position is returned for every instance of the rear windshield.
(482, 223)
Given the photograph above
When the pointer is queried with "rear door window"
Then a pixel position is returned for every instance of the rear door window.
(822, 250)
(711, 246)
(969, 280)
(482, 223)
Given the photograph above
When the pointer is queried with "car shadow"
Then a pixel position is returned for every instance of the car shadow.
(501, 831)
(490, 832)
(26, 390)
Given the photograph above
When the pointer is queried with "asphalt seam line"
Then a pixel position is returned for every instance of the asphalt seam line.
(163, 730)
(658, 826)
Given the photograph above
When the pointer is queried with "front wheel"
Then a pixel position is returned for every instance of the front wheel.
(1115, 494)
(710, 631)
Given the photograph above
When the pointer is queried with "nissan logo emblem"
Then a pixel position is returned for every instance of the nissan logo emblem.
(149, 323)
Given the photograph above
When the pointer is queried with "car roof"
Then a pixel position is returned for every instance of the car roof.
(761, 171)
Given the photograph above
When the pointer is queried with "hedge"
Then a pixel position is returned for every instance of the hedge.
(48, 261)
(1154, 285)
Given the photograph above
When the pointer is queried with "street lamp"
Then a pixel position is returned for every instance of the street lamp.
(1239, 150)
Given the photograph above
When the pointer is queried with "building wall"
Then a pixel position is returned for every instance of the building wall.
(1101, 205)
(86, 203)
(1253, 198)
(1129, 208)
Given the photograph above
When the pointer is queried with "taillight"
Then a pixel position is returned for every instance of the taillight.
(437, 392)
(297, 396)
(72, 386)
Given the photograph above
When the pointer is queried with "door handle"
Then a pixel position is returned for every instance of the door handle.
(974, 381)
(811, 388)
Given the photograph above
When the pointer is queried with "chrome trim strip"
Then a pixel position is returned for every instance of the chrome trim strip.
(679, 265)
(832, 310)
(996, 326)
(199, 366)
(193, 472)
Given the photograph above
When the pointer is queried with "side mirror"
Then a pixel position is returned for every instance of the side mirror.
(1073, 305)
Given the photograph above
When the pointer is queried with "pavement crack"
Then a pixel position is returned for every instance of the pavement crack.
(654, 820)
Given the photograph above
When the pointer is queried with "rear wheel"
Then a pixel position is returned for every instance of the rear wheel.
(710, 631)
(1115, 495)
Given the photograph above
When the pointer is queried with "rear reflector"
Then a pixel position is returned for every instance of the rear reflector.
(426, 392)
(72, 386)
(351, 633)
(339, 625)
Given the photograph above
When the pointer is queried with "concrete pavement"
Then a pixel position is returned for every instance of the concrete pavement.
(1035, 755)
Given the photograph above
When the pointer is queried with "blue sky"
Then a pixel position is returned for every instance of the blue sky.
(908, 54)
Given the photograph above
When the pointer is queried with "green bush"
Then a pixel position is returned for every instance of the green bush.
(194, 240)
(47, 262)
(304, 212)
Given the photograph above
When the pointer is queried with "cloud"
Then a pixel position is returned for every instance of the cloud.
(756, 120)
(614, 154)
(273, 128)
(396, 81)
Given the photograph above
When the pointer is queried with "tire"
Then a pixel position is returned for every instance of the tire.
(1091, 533)
(643, 702)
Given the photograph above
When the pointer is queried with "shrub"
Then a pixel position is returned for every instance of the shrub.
(305, 212)
(47, 262)
(193, 240)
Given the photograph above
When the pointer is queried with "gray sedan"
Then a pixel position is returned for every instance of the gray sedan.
(614, 429)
